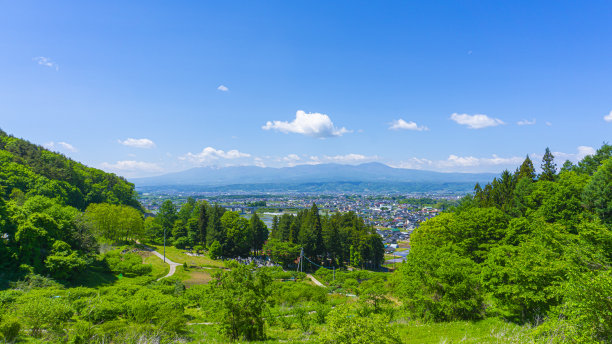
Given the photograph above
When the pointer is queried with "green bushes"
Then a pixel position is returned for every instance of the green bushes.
(129, 264)
(9, 330)
(346, 327)
(290, 294)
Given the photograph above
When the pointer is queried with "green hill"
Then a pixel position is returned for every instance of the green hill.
(34, 170)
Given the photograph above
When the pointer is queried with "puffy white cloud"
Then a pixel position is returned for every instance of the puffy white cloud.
(223, 88)
(476, 121)
(526, 122)
(608, 117)
(210, 154)
(548, 124)
(132, 166)
(137, 143)
(310, 124)
(584, 151)
(581, 152)
(45, 61)
(403, 125)
(60, 145)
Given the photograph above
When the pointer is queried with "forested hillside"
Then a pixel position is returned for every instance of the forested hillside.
(533, 249)
(42, 195)
(26, 168)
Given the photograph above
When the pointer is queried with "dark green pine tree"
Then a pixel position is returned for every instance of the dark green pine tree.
(332, 239)
(478, 194)
(202, 223)
(259, 232)
(311, 234)
(214, 230)
(549, 168)
(275, 233)
(526, 170)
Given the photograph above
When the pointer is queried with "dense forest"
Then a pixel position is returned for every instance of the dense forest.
(530, 248)
(526, 258)
(337, 240)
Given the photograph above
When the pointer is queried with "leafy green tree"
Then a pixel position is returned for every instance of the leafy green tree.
(215, 250)
(238, 235)
(549, 168)
(64, 263)
(241, 296)
(33, 242)
(284, 253)
(438, 284)
(115, 223)
(591, 163)
(526, 279)
(166, 216)
(597, 194)
(186, 210)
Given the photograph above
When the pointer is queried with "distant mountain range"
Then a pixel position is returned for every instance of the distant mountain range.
(365, 174)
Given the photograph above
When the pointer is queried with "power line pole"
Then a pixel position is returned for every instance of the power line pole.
(164, 244)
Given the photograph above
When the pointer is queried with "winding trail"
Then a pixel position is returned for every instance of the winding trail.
(172, 264)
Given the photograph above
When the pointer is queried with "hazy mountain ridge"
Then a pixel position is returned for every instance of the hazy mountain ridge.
(304, 174)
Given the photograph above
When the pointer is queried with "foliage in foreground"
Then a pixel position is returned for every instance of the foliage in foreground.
(526, 248)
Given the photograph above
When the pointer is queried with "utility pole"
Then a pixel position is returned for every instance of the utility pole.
(164, 244)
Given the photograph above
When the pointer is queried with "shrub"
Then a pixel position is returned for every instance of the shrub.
(129, 264)
(9, 330)
(302, 318)
(345, 327)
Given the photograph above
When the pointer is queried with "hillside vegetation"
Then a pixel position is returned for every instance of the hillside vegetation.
(526, 258)
(526, 248)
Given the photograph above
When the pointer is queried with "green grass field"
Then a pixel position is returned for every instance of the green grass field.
(180, 256)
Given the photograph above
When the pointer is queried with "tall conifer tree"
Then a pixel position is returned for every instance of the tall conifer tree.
(549, 168)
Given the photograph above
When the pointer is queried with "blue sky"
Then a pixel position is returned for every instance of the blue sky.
(144, 88)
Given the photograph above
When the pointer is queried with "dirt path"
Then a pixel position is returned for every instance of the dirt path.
(172, 264)
(315, 281)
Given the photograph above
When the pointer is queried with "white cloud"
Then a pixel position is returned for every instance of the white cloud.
(526, 122)
(310, 124)
(138, 143)
(223, 88)
(581, 152)
(259, 162)
(461, 163)
(584, 151)
(549, 124)
(608, 118)
(210, 154)
(60, 145)
(292, 157)
(351, 158)
(401, 124)
(45, 61)
(132, 166)
(476, 121)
